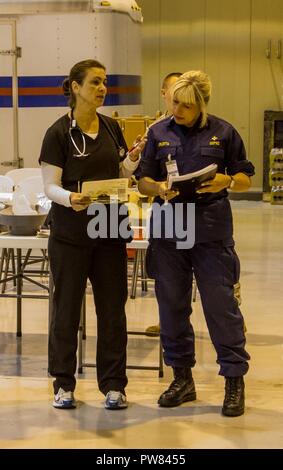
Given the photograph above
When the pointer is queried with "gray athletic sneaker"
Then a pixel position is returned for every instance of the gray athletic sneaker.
(115, 400)
(64, 400)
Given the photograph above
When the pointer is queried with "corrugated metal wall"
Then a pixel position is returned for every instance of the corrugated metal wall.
(231, 42)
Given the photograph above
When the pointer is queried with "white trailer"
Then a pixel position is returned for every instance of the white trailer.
(39, 43)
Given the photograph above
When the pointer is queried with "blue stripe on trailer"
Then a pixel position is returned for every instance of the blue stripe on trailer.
(113, 98)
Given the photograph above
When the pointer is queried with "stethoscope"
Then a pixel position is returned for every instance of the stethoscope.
(82, 153)
(73, 126)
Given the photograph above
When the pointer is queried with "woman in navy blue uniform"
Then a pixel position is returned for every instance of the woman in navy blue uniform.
(85, 145)
(193, 139)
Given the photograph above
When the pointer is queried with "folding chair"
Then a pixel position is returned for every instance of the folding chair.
(18, 174)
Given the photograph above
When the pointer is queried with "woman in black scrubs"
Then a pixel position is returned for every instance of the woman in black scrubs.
(84, 145)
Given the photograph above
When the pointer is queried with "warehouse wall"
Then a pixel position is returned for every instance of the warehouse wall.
(231, 42)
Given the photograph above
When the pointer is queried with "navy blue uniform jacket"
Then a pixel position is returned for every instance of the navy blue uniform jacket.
(194, 148)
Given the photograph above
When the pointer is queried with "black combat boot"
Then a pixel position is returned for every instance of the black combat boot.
(234, 401)
(180, 390)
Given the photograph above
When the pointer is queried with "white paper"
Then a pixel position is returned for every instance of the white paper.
(189, 176)
(107, 191)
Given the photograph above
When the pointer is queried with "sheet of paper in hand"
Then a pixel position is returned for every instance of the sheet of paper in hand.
(187, 184)
(107, 191)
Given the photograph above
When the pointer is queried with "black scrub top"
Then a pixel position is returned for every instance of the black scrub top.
(193, 149)
(105, 154)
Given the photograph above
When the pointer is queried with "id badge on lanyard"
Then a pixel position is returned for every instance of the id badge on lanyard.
(171, 166)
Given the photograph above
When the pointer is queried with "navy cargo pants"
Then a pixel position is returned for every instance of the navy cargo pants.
(216, 269)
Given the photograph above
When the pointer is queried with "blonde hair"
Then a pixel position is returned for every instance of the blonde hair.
(194, 87)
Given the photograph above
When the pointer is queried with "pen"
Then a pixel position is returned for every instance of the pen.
(137, 143)
(133, 147)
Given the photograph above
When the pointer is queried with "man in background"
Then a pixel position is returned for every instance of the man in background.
(167, 83)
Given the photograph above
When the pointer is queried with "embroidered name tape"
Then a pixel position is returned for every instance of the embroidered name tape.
(163, 144)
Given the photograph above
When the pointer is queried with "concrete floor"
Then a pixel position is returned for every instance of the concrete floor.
(28, 420)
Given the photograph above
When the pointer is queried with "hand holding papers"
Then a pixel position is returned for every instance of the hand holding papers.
(107, 191)
(188, 184)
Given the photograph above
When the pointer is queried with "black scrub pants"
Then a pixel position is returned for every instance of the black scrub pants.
(105, 264)
(216, 268)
